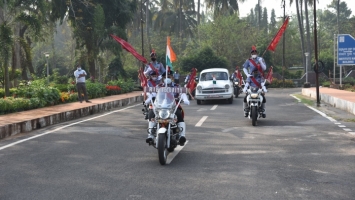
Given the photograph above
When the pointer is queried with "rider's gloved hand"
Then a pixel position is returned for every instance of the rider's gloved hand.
(245, 90)
(264, 88)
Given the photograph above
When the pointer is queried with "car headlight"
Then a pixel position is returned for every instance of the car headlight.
(199, 87)
(226, 86)
(254, 95)
(164, 114)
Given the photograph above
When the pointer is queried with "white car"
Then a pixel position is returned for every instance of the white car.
(214, 84)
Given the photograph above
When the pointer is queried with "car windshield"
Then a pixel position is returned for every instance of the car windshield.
(207, 76)
(164, 99)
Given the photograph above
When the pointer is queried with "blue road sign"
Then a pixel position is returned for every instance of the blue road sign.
(346, 50)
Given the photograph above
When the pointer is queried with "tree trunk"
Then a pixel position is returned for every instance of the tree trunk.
(309, 49)
(198, 12)
(300, 25)
(147, 24)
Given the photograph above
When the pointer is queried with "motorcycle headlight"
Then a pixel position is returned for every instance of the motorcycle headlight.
(226, 86)
(236, 83)
(164, 114)
(254, 95)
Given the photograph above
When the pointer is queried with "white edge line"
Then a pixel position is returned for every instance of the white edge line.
(299, 100)
(57, 129)
(199, 123)
(172, 155)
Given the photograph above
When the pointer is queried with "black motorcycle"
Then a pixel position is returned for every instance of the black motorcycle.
(238, 88)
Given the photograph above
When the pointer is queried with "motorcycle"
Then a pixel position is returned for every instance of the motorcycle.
(254, 102)
(238, 88)
(166, 131)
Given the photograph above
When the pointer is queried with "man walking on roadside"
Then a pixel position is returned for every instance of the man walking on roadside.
(176, 77)
(80, 84)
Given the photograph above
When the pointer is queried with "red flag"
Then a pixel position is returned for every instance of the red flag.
(269, 75)
(191, 83)
(277, 37)
(129, 48)
(239, 76)
(142, 78)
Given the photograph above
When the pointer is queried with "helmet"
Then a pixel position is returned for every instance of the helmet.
(253, 49)
(152, 73)
(153, 54)
(167, 81)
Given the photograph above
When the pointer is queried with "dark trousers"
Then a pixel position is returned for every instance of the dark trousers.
(177, 81)
(81, 90)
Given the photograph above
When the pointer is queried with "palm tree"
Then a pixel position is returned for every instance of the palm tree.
(16, 13)
(300, 25)
(223, 7)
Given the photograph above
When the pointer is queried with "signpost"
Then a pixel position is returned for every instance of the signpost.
(346, 51)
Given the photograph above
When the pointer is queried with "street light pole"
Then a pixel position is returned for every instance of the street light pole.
(306, 54)
(47, 56)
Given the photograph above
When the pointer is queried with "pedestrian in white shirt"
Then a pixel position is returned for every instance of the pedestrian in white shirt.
(80, 84)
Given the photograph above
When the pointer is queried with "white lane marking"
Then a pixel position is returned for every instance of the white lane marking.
(172, 155)
(214, 107)
(299, 100)
(60, 128)
(329, 118)
(199, 123)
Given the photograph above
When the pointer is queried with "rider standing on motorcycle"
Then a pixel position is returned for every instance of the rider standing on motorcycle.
(180, 120)
(154, 65)
(254, 69)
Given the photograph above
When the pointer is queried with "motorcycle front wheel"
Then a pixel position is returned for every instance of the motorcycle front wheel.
(162, 151)
(254, 115)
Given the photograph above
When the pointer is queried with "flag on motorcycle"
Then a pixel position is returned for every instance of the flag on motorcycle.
(240, 77)
(191, 83)
(269, 75)
(278, 35)
(142, 78)
(170, 55)
(129, 48)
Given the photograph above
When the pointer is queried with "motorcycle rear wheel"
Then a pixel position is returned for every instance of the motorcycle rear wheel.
(162, 151)
(254, 115)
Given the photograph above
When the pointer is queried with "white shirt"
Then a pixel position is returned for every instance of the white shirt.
(80, 79)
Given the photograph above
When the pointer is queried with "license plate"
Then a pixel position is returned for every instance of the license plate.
(212, 96)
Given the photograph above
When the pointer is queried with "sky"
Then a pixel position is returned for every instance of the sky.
(245, 7)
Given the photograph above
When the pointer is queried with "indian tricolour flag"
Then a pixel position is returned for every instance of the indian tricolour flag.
(170, 55)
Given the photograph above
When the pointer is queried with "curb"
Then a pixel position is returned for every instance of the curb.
(62, 116)
(334, 101)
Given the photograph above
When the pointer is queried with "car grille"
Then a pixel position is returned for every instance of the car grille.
(213, 90)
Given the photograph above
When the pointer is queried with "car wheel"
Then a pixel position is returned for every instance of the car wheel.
(230, 100)
(198, 102)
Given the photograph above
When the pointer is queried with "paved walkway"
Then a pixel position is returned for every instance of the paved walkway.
(25, 121)
(341, 99)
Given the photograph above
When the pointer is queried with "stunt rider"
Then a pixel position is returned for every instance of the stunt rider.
(154, 65)
(254, 68)
(180, 120)
(152, 82)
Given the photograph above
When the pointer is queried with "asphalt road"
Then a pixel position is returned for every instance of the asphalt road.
(294, 153)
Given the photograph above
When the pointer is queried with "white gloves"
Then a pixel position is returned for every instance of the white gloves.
(245, 87)
(149, 99)
(264, 88)
(185, 99)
